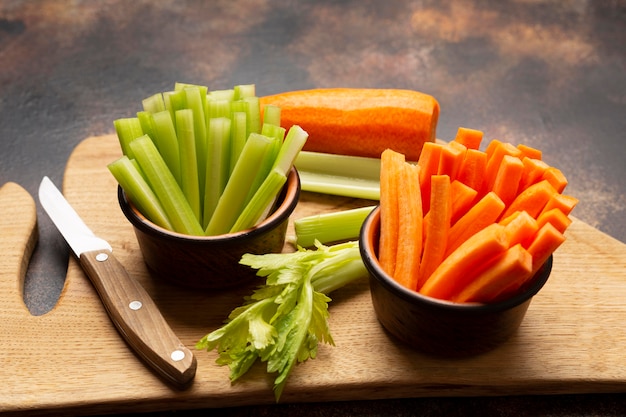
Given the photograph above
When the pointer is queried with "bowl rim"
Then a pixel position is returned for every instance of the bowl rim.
(289, 195)
(370, 260)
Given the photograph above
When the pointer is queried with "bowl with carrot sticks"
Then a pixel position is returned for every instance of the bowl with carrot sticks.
(462, 240)
(205, 178)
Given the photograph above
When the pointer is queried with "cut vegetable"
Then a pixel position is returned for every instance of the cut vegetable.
(368, 121)
(330, 227)
(391, 166)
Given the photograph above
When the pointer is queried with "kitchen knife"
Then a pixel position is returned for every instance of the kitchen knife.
(129, 306)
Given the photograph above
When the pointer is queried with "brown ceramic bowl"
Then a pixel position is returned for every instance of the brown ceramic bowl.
(211, 262)
(439, 327)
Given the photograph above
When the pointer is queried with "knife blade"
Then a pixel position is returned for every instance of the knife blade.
(130, 307)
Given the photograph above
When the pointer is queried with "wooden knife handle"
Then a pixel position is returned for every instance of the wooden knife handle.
(138, 318)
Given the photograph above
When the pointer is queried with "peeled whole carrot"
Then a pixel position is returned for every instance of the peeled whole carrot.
(360, 121)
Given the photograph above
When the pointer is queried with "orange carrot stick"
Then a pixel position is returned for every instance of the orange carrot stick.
(513, 265)
(360, 121)
(390, 164)
(495, 156)
(429, 165)
(545, 242)
(556, 178)
(437, 224)
(556, 217)
(507, 178)
(462, 197)
(451, 159)
(533, 171)
(485, 212)
(410, 232)
(473, 170)
(533, 199)
(469, 137)
(564, 202)
(521, 228)
(529, 152)
(466, 262)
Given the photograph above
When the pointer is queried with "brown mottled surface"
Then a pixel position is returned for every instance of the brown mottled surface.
(551, 74)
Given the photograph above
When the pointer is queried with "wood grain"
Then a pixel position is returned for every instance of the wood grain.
(72, 360)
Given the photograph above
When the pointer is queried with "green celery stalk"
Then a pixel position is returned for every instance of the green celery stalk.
(174, 100)
(204, 90)
(195, 101)
(167, 142)
(254, 113)
(330, 227)
(264, 195)
(165, 187)
(244, 91)
(189, 160)
(350, 176)
(232, 201)
(218, 168)
(228, 94)
(154, 103)
(146, 122)
(271, 115)
(238, 137)
(218, 108)
(128, 129)
(138, 191)
(289, 151)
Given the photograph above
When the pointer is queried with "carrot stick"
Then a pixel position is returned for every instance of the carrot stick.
(410, 233)
(563, 202)
(529, 152)
(521, 228)
(451, 159)
(545, 242)
(485, 212)
(511, 266)
(429, 165)
(466, 262)
(462, 197)
(533, 199)
(533, 171)
(507, 178)
(391, 162)
(495, 156)
(473, 170)
(437, 224)
(556, 218)
(469, 137)
(556, 178)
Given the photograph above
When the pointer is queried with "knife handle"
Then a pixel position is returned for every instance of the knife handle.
(138, 318)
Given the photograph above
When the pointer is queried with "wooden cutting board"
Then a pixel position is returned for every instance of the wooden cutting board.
(72, 360)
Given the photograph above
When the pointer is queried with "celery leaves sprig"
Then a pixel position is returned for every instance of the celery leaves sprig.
(282, 321)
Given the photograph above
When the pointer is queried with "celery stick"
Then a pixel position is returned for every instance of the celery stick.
(127, 130)
(254, 113)
(165, 187)
(154, 103)
(271, 115)
(232, 201)
(350, 176)
(273, 131)
(147, 125)
(265, 167)
(138, 191)
(204, 90)
(295, 140)
(195, 102)
(218, 168)
(218, 108)
(167, 142)
(228, 95)
(238, 137)
(188, 160)
(174, 100)
(244, 91)
(330, 227)
(265, 195)
(244, 107)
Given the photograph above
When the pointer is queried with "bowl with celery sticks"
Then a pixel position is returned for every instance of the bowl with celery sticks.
(205, 177)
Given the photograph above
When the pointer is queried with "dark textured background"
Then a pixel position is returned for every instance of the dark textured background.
(548, 73)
